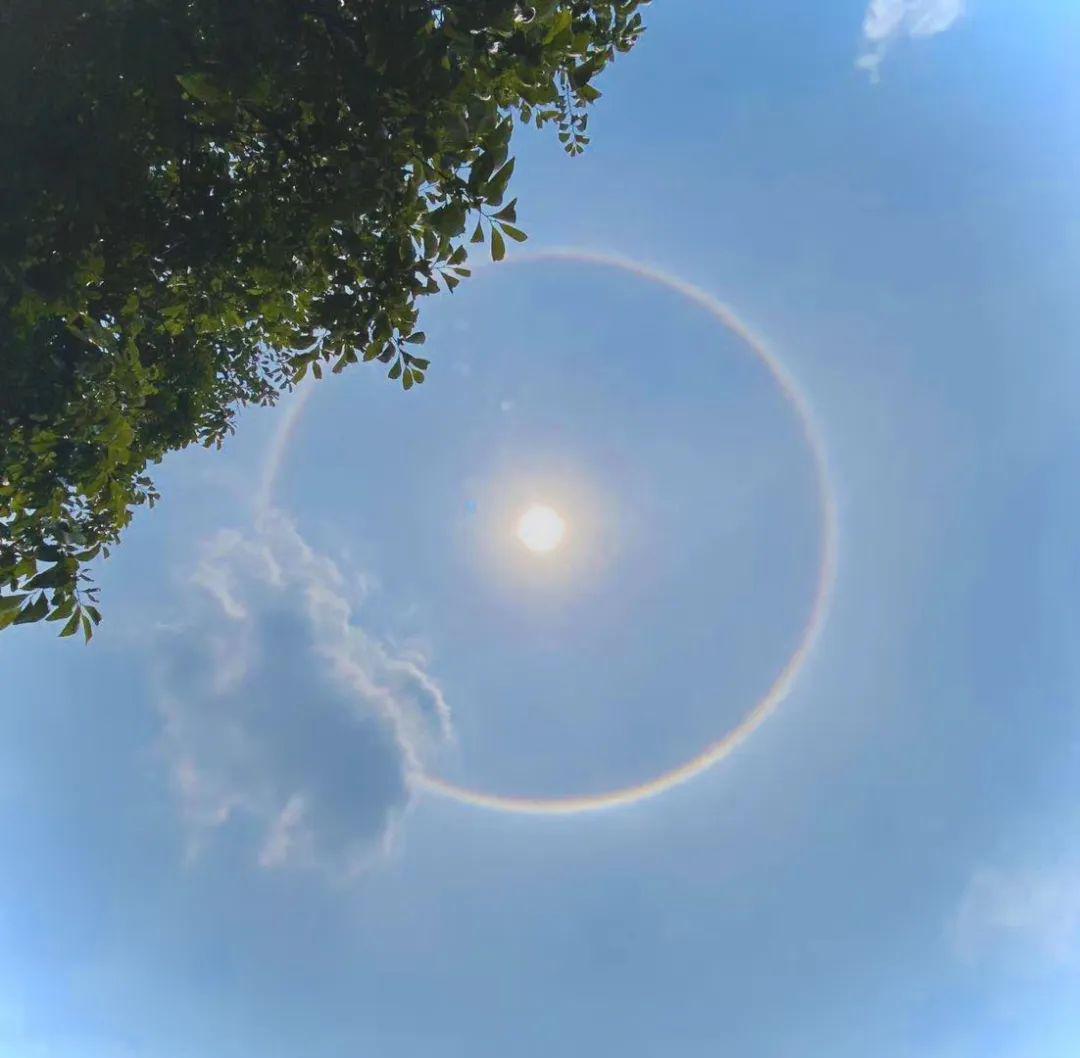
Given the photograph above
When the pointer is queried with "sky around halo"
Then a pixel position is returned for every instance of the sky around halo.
(210, 842)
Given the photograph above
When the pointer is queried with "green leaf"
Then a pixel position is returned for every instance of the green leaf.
(407, 380)
(420, 362)
(72, 625)
(508, 212)
(10, 602)
(478, 234)
(448, 219)
(395, 371)
(498, 247)
(481, 170)
(201, 86)
(497, 184)
(88, 629)
(515, 233)
(559, 24)
(35, 611)
(62, 610)
(417, 338)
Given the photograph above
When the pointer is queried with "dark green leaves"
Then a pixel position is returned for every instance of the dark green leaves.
(496, 186)
(448, 219)
(51, 578)
(33, 611)
(9, 608)
(268, 197)
(559, 26)
(202, 86)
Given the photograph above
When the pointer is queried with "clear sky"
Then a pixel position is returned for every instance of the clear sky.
(215, 843)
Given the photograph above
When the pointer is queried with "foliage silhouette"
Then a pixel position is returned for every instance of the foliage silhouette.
(203, 200)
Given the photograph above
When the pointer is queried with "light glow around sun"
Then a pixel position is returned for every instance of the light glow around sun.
(540, 528)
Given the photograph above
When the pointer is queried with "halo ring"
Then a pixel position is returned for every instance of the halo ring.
(782, 683)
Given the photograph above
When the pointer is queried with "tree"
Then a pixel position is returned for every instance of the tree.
(203, 200)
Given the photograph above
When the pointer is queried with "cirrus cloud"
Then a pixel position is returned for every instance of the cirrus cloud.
(1032, 910)
(887, 21)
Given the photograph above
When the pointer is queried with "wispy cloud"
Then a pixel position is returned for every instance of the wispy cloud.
(1032, 910)
(286, 723)
(887, 21)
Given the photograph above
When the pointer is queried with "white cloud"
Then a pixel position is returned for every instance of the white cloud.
(286, 723)
(1037, 911)
(887, 21)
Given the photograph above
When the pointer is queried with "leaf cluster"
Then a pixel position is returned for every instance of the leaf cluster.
(204, 200)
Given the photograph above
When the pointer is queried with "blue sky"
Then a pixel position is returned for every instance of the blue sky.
(211, 841)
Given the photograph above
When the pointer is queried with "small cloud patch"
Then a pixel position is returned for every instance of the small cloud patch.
(286, 724)
(1032, 911)
(887, 21)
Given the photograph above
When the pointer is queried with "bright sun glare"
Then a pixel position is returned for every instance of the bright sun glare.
(540, 528)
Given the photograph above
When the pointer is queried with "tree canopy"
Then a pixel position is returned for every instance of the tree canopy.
(203, 200)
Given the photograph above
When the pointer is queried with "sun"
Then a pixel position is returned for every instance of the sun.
(540, 528)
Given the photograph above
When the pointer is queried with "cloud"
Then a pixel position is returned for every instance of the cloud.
(887, 21)
(286, 723)
(1013, 911)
